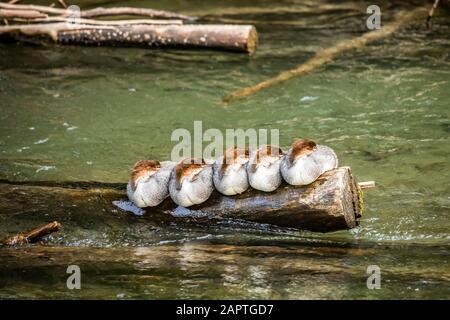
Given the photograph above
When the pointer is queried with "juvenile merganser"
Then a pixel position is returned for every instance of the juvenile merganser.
(149, 182)
(191, 182)
(306, 161)
(230, 173)
(263, 168)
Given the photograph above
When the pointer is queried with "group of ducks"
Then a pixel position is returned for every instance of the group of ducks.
(191, 181)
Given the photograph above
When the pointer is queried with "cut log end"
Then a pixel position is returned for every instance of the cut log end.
(252, 40)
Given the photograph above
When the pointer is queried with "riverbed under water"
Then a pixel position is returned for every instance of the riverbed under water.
(88, 114)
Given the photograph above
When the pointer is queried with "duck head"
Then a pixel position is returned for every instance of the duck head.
(235, 157)
(188, 168)
(143, 168)
(300, 148)
(265, 156)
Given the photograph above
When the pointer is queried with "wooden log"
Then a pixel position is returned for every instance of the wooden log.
(241, 38)
(333, 202)
(330, 203)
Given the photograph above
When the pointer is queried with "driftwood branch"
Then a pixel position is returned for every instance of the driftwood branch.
(33, 235)
(325, 56)
(100, 12)
(151, 13)
(82, 21)
(226, 37)
(22, 14)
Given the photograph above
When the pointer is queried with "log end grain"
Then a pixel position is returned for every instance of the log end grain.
(252, 40)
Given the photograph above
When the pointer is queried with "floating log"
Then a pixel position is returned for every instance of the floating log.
(332, 202)
(241, 38)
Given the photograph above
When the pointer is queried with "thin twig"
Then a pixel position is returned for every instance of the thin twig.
(62, 3)
(33, 235)
(101, 22)
(430, 14)
(366, 184)
(101, 12)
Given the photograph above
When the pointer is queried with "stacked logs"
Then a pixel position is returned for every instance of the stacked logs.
(40, 24)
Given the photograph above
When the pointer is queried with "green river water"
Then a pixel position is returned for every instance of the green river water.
(88, 114)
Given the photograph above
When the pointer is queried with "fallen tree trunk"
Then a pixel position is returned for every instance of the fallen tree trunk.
(333, 202)
(226, 37)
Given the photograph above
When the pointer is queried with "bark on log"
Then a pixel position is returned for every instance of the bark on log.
(330, 203)
(333, 202)
(226, 37)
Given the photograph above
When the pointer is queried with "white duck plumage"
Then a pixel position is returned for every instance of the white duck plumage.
(263, 168)
(306, 161)
(191, 182)
(230, 173)
(149, 182)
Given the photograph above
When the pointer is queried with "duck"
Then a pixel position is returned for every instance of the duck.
(149, 182)
(306, 161)
(191, 182)
(230, 172)
(263, 168)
